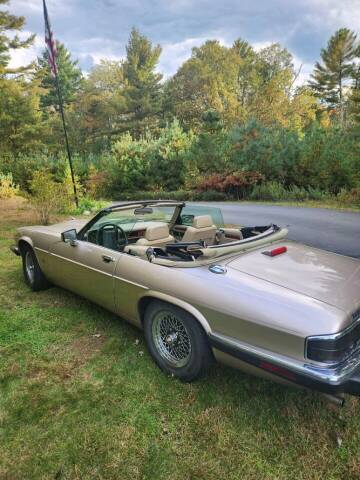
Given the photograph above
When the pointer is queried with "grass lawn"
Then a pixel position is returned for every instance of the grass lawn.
(81, 399)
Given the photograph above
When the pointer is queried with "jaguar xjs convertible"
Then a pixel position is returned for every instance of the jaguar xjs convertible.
(243, 295)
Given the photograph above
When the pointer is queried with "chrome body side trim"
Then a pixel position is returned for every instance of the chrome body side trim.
(116, 277)
(80, 264)
(42, 250)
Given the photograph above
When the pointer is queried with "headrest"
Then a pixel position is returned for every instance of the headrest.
(157, 232)
(202, 221)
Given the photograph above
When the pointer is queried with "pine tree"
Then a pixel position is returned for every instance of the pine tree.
(69, 74)
(143, 84)
(331, 77)
(10, 23)
(354, 98)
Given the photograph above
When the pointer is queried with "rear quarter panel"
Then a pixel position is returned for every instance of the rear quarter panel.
(249, 309)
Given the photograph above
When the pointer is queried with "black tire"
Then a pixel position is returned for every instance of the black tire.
(33, 274)
(189, 341)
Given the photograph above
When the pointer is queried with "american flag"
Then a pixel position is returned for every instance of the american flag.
(50, 42)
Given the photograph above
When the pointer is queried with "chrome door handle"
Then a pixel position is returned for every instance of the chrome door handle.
(107, 258)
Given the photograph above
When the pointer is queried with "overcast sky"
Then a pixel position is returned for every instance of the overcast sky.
(95, 29)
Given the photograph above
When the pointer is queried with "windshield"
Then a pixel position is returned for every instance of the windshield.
(132, 220)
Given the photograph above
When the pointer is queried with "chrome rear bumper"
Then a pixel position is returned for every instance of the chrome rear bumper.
(342, 378)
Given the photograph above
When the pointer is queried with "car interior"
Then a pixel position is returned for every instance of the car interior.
(170, 232)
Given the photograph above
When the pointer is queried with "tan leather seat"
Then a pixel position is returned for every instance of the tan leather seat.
(157, 236)
(202, 229)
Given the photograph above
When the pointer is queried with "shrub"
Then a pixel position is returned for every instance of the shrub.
(96, 182)
(237, 184)
(22, 167)
(296, 193)
(349, 197)
(275, 191)
(47, 196)
(88, 205)
(210, 196)
(8, 189)
(272, 151)
(317, 194)
(178, 195)
(68, 189)
(149, 163)
(328, 160)
(271, 191)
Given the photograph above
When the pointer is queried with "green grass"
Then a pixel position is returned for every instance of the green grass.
(79, 400)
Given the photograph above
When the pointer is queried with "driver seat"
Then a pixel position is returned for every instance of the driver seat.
(156, 235)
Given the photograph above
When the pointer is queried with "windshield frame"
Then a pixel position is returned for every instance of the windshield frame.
(126, 206)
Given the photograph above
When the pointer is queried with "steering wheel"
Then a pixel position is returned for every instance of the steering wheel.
(120, 235)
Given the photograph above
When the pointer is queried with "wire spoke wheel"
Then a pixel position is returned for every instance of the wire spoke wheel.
(171, 338)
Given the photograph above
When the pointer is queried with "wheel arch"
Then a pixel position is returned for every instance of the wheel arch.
(24, 242)
(150, 296)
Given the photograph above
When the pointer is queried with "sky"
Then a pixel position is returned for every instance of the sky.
(96, 29)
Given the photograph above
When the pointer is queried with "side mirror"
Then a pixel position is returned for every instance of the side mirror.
(69, 236)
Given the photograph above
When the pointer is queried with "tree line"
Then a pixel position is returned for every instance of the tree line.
(226, 111)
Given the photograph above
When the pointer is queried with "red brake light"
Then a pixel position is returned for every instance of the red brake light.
(275, 251)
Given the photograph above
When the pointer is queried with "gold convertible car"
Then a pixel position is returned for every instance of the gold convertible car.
(200, 290)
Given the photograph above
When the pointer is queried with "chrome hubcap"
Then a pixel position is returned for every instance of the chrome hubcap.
(171, 338)
(29, 266)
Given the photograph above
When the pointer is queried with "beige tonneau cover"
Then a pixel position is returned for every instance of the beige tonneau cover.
(210, 253)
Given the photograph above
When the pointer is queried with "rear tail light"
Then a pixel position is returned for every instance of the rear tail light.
(335, 348)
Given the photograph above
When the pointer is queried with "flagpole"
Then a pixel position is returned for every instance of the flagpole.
(50, 42)
(61, 106)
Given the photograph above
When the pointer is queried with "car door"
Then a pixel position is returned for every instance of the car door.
(86, 269)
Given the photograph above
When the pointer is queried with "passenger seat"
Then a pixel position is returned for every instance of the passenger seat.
(157, 236)
(202, 229)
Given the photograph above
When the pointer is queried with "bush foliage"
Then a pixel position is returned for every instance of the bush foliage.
(8, 189)
(250, 161)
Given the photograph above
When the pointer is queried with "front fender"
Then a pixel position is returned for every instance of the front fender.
(21, 240)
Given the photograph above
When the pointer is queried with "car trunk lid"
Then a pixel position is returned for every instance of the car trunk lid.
(325, 276)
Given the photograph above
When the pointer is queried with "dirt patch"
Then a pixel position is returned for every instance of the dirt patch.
(86, 347)
(19, 209)
(81, 350)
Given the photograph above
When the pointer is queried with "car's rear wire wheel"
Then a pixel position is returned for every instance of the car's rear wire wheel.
(176, 341)
(171, 338)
